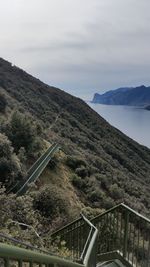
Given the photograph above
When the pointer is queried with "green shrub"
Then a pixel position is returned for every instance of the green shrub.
(108, 203)
(116, 192)
(22, 131)
(51, 202)
(82, 172)
(96, 195)
(75, 162)
(78, 181)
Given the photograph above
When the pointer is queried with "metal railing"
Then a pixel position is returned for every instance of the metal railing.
(120, 229)
(89, 254)
(20, 257)
(124, 230)
(12, 256)
(34, 172)
(18, 184)
(81, 240)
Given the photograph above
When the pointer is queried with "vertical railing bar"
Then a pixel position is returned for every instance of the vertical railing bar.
(143, 245)
(104, 231)
(72, 230)
(74, 241)
(110, 231)
(70, 242)
(125, 245)
(121, 221)
(19, 263)
(31, 264)
(148, 256)
(7, 262)
(78, 240)
(114, 230)
(138, 240)
(133, 244)
(99, 226)
(107, 237)
(129, 238)
(117, 230)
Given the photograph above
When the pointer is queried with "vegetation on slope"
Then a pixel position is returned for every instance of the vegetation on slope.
(104, 167)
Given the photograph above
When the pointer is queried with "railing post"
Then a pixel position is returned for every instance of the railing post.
(6, 263)
(126, 226)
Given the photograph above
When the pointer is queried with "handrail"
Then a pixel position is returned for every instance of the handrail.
(34, 172)
(90, 245)
(135, 213)
(80, 218)
(21, 255)
(81, 239)
(38, 170)
(36, 163)
(19, 242)
(120, 229)
(66, 226)
(40, 256)
(31, 169)
(124, 206)
(125, 230)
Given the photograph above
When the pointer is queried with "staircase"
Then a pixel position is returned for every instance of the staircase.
(119, 237)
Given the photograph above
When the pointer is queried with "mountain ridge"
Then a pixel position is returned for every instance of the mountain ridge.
(135, 96)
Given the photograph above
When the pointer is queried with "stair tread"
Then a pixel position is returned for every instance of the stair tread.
(115, 263)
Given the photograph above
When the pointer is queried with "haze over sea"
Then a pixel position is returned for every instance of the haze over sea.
(133, 121)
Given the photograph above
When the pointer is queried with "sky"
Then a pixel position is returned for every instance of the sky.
(80, 46)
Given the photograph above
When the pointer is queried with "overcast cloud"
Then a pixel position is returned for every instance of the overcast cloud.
(81, 46)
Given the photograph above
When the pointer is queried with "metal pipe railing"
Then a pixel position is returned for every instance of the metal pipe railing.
(88, 256)
(24, 256)
(120, 229)
(40, 256)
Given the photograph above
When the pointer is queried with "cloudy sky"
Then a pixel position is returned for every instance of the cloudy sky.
(81, 46)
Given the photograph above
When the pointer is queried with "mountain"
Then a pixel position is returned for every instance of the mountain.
(138, 96)
(147, 107)
(98, 167)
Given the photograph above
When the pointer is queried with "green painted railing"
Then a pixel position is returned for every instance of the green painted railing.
(120, 229)
(11, 255)
(34, 172)
(124, 230)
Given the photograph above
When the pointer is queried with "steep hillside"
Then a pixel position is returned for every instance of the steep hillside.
(138, 96)
(106, 167)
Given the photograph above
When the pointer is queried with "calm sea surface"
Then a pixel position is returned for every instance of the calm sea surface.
(133, 121)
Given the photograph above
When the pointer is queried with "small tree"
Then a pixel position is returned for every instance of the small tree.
(22, 131)
(10, 165)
